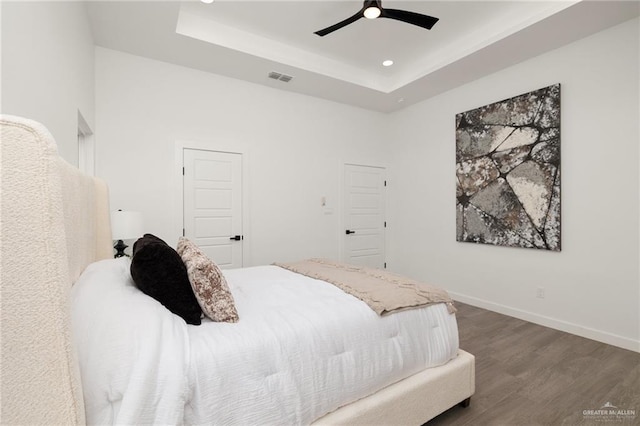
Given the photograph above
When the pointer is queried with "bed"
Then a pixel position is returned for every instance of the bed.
(57, 222)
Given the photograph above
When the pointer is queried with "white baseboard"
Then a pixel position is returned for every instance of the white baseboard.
(589, 333)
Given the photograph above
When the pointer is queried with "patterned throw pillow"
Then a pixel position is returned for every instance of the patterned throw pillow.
(208, 283)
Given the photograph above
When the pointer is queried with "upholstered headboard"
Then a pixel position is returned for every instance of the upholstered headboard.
(54, 222)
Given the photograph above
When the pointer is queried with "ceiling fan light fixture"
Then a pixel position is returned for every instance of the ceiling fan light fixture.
(372, 9)
(371, 12)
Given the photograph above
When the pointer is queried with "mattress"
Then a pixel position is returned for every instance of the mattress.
(301, 349)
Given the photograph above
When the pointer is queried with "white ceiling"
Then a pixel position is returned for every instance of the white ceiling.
(248, 39)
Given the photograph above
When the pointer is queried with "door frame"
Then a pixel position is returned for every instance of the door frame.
(215, 146)
(343, 207)
(86, 147)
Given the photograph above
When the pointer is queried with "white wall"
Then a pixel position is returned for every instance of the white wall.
(592, 285)
(295, 147)
(47, 67)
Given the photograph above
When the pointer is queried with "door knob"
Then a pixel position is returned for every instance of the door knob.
(236, 238)
(348, 231)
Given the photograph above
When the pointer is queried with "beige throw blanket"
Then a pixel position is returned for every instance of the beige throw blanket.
(383, 291)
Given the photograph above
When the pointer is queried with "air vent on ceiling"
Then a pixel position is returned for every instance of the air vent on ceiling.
(279, 76)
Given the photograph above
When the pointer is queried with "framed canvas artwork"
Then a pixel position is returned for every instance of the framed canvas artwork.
(508, 172)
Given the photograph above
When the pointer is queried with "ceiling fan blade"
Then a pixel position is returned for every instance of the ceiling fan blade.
(424, 21)
(341, 24)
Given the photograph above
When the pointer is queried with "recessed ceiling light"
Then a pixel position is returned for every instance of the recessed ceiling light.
(372, 12)
(387, 63)
(207, 1)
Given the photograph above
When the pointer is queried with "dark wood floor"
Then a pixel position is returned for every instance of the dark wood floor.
(527, 374)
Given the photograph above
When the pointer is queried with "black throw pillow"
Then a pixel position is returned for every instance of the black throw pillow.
(158, 271)
(146, 239)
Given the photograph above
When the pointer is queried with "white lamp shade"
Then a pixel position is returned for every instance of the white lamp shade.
(126, 225)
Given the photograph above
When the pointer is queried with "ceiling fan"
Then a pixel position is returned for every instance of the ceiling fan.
(372, 9)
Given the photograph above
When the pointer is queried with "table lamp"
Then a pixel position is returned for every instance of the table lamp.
(125, 225)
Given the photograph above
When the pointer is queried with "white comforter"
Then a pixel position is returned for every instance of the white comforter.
(301, 349)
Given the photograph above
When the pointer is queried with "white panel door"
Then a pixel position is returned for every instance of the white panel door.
(365, 199)
(213, 204)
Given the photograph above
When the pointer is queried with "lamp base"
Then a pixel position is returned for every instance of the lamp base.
(120, 247)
